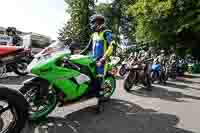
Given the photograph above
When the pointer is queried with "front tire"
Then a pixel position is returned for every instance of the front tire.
(154, 76)
(31, 92)
(122, 70)
(147, 83)
(129, 80)
(19, 107)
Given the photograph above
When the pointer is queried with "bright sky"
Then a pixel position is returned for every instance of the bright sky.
(40, 16)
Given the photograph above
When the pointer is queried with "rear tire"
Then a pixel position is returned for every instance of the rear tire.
(110, 83)
(19, 104)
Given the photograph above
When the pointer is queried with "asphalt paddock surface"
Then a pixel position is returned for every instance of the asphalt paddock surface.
(119, 117)
(173, 108)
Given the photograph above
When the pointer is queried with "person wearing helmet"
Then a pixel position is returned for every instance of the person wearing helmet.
(141, 54)
(101, 44)
(12, 31)
(173, 57)
(161, 57)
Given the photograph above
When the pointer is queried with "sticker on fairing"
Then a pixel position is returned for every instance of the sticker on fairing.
(82, 78)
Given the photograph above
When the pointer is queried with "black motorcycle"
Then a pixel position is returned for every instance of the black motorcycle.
(172, 69)
(139, 72)
(124, 66)
(13, 111)
(164, 72)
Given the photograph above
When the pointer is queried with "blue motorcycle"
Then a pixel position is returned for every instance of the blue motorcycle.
(159, 71)
(155, 72)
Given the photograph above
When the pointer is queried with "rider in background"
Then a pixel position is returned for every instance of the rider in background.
(161, 57)
(16, 39)
(101, 44)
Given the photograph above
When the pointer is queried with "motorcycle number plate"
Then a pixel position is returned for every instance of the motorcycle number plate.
(82, 78)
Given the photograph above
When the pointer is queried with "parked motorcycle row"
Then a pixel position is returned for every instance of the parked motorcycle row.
(188, 64)
(139, 70)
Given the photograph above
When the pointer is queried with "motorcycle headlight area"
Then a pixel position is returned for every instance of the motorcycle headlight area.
(136, 66)
(35, 62)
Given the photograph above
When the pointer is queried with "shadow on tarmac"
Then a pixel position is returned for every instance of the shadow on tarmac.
(164, 94)
(191, 76)
(174, 85)
(186, 81)
(118, 117)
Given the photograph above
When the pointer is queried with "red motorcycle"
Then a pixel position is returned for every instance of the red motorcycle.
(14, 59)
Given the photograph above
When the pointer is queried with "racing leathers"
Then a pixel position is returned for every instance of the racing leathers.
(101, 45)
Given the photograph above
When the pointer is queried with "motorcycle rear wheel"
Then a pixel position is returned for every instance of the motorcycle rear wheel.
(110, 86)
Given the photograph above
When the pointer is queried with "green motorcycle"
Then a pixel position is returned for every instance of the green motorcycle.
(65, 78)
(193, 68)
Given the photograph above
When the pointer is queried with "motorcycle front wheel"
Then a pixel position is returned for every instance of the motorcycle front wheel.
(154, 76)
(122, 70)
(147, 82)
(13, 111)
(38, 106)
(129, 80)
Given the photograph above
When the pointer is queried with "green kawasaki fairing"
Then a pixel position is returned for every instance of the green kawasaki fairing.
(60, 76)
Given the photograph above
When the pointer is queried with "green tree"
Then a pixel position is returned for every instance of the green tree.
(77, 27)
(117, 18)
(161, 21)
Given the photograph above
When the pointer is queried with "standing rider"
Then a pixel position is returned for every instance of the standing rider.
(101, 45)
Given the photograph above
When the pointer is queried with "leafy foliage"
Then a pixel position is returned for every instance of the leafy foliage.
(160, 21)
(117, 18)
(77, 27)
